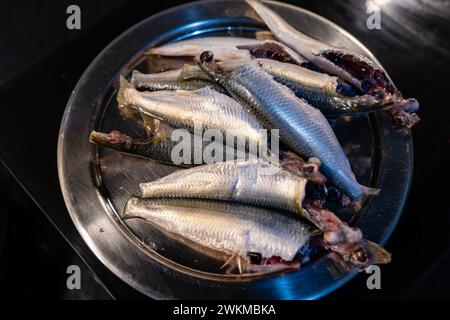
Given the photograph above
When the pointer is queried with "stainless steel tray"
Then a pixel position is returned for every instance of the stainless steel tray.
(96, 182)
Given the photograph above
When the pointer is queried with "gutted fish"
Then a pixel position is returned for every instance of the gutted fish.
(258, 183)
(237, 230)
(254, 182)
(329, 94)
(352, 67)
(169, 80)
(302, 127)
(148, 148)
(163, 148)
(206, 107)
(229, 48)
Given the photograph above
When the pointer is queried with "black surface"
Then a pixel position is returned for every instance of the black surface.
(41, 62)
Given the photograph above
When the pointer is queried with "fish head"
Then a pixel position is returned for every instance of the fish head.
(404, 113)
(369, 253)
(114, 139)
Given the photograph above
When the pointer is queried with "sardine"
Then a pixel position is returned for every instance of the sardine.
(228, 48)
(158, 144)
(254, 182)
(169, 80)
(258, 183)
(183, 109)
(329, 94)
(162, 148)
(234, 229)
(352, 67)
(303, 128)
(150, 148)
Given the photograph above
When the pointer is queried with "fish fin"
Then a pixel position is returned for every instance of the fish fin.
(377, 254)
(264, 35)
(162, 131)
(152, 123)
(368, 191)
(228, 261)
(108, 139)
(188, 72)
(232, 263)
(356, 205)
(134, 74)
(123, 86)
(95, 136)
(153, 116)
(185, 72)
(239, 264)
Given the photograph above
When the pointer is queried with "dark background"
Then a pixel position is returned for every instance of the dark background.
(41, 61)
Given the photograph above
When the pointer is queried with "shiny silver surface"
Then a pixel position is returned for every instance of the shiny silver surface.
(97, 182)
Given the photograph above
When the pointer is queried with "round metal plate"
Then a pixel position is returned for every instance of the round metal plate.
(96, 182)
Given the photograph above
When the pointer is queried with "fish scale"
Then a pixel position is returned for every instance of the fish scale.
(181, 109)
(352, 67)
(228, 227)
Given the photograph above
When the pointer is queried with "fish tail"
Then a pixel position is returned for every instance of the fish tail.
(128, 210)
(368, 191)
(105, 139)
(185, 72)
(134, 75)
(189, 72)
(95, 136)
(123, 86)
(376, 253)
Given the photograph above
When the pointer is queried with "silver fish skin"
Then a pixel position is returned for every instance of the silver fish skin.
(157, 144)
(227, 227)
(258, 183)
(350, 66)
(224, 46)
(303, 128)
(228, 48)
(321, 90)
(308, 47)
(170, 80)
(254, 182)
(182, 109)
(157, 147)
(318, 89)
